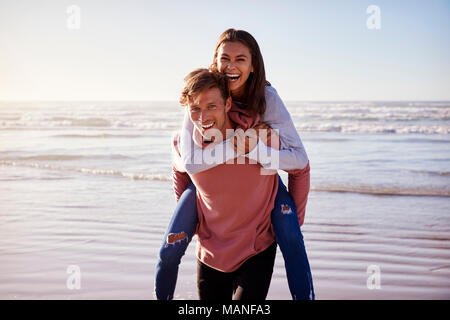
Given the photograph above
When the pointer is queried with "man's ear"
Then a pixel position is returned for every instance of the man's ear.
(228, 104)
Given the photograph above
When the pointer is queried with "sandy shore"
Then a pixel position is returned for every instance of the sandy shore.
(115, 247)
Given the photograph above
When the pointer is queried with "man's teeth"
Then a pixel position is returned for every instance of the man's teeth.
(207, 126)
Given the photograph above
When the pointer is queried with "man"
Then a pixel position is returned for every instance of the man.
(236, 248)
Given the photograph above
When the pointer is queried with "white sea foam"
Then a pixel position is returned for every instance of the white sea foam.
(89, 171)
(362, 189)
(380, 190)
(373, 128)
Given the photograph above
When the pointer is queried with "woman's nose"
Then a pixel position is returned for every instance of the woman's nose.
(230, 66)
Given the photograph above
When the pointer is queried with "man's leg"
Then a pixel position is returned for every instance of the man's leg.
(252, 279)
(179, 233)
(213, 285)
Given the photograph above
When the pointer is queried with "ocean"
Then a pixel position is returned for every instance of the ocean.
(86, 186)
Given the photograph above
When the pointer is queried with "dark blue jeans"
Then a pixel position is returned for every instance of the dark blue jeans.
(285, 223)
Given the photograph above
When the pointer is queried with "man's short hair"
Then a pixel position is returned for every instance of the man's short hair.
(203, 79)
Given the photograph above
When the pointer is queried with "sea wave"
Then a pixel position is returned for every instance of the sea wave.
(401, 117)
(361, 189)
(97, 123)
(375, 190)
(65, 157)
(301, 126)
(374, 128)
(96, 136)
(95, 172)
(430, 172)
(80, 122)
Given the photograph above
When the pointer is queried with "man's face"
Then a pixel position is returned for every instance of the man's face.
(208, 111)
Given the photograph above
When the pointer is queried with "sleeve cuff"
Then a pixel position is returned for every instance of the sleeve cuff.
(264, 155)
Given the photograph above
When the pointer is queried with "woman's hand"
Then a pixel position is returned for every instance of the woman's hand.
(269, 136)
(244, 142)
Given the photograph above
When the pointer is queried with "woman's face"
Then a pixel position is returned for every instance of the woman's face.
(235, 61)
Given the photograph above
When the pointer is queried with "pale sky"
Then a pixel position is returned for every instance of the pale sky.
(141, 50)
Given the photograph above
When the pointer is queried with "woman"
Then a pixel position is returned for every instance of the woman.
(237, 55)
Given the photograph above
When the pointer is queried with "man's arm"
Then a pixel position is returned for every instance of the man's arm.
(298, 186)
(298, 179)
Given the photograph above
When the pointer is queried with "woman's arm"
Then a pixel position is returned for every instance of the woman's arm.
(292, 154)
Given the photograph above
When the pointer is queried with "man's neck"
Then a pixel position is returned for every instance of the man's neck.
(228, 125)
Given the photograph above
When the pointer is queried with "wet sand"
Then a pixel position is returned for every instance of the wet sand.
(115, 248)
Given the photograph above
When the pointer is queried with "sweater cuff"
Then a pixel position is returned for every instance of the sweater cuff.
(266, 156)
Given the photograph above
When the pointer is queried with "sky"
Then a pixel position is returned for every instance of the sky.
(141, 50)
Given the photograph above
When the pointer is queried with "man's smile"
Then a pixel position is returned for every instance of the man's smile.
(207, 126)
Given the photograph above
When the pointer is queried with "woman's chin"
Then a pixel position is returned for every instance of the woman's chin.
(237, 90)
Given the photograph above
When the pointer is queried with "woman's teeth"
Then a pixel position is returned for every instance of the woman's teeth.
(233, 77)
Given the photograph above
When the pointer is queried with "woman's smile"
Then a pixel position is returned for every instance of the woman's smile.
(235, 61)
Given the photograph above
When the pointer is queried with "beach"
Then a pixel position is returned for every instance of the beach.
(87, 184)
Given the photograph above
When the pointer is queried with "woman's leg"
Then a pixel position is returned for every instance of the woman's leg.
(179, 233)
(290, 239)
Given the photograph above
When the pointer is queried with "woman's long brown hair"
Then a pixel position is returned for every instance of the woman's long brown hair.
(255, 97)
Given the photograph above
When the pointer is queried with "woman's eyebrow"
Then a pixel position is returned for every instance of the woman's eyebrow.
(238, 56)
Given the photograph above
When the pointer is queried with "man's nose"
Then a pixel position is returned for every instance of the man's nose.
(203, 115)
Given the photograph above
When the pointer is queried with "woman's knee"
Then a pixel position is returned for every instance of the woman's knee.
(173, 248)
(284, 203)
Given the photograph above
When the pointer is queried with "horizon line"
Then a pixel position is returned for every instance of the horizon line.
(167, 100)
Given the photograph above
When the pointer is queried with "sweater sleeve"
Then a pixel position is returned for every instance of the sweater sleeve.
(292, 155)
(298, 186)
(180, 179)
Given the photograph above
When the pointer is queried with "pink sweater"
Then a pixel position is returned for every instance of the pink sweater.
(234, 203)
